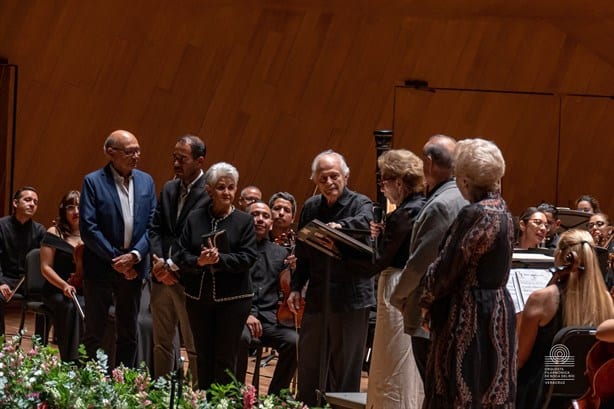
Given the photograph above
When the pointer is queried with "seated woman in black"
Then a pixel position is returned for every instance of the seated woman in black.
(57, 265)
(578, 298)
(215, 273)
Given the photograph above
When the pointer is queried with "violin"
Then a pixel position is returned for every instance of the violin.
(286, 317)
(599, 371)
(76, 278)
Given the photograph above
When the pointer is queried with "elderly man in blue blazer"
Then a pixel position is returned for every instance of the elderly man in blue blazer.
(117, 204)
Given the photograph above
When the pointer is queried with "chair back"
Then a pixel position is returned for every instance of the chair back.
(34, 277)
(565, 367)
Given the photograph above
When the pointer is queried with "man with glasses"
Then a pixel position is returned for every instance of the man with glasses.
(351, 293)
(178, 198)
(249, 195)
(443, 203)
(552, 216)
(117, 204)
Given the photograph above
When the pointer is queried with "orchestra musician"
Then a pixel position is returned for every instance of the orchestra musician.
(283, 210)
(63, 278)
(262, 320)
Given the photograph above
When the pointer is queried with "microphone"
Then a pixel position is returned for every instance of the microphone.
(378, 217)
(378, 213)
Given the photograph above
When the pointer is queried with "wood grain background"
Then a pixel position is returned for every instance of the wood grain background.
(269, 84)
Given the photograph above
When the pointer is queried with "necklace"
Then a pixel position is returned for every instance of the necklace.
(215, 220)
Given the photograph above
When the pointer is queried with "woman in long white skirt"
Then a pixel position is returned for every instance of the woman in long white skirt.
(394, 381)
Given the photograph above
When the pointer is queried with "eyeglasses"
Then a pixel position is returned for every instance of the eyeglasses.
(128, 152)
(384, 180)
(332, 176)
(539, 222)
(599, 223)
(180, 159)
(248, 200)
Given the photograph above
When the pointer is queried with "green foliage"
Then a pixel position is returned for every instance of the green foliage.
(39, 379)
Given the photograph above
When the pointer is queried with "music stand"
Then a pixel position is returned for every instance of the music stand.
(571, 219)
(335, 245)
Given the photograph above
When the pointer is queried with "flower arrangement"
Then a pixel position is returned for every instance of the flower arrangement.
(39, 379)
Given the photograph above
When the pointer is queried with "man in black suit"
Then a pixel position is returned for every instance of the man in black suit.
(116, 207)
(178, 197)
(262, 321)
(351, 287)
(18, 235)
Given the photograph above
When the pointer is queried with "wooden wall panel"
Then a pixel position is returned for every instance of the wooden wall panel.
(587, 149)
(270, 83)
(525, 127)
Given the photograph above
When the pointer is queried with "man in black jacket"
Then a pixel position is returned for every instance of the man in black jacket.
(178, 197)
(262, 321)
(18, 235)
(351, 290)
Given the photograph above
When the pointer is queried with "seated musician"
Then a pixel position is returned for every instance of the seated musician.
(64, 276)
(532, 228)
(579, 297)
(262, 321)
(283, 209)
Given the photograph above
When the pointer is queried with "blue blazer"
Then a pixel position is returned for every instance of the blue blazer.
(102, 224)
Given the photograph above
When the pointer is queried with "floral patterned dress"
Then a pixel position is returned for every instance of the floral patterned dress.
(472, 363)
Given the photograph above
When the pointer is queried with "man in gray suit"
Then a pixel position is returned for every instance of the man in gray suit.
(444, 201)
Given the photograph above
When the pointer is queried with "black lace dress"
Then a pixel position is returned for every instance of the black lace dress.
(473, 361)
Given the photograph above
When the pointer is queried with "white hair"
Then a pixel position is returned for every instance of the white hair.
(345, 170)
(219, 170)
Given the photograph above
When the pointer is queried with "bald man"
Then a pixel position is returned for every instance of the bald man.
(117, 204)
(443, 203)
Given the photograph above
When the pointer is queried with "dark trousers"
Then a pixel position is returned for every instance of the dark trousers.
(284, 341)
(99, 296)
(68, 327)
(217, 328)
(346, 339)
(421, 348)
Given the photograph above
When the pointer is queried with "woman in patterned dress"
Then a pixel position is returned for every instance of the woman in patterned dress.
(470, 314)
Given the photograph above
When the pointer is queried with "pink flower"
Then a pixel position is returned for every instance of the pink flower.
(118, 375)
(249, 397)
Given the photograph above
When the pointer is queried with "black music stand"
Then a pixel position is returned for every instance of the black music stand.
(571, 219)
(335, 245)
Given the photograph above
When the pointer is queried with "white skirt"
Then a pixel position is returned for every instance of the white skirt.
(394, 381)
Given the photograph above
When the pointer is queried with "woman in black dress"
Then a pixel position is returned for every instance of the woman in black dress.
(472, 363)
(215, 272)
(578, 298)
(58, 265)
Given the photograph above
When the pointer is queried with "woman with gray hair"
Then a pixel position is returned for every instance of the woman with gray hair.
(217, 249)
(466, 305)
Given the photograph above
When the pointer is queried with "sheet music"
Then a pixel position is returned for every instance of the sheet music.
(512, 284)
(523, 281)
(530, 280)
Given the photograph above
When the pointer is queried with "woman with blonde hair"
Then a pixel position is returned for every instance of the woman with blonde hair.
(394, 381)
(472, 362)
(579, 297)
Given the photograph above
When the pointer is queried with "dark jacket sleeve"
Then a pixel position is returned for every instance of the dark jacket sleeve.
(155, 231)
(88, 223)
(242, 257)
